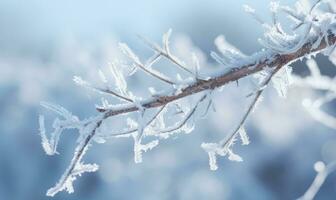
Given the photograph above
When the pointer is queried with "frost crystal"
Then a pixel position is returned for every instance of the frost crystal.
(139, 148)
(69, 121)
(165, 40)
(45, 143)
(68, 183)
(214, 149)
(234, 157)
(282, 80)
(227, 49)
(243, 136)
(230, 55)
(129, 53)
(119, 79)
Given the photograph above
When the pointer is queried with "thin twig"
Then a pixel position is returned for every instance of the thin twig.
(257, 96)
(165, 54)
(153, 73)
(185, 120)
(132, 130)
(107, 91)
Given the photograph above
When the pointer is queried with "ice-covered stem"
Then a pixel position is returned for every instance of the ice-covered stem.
(165, 52)
(323, 172)
(128, 52)
(164, 132)
(256, 64)
(224, 147)
(78, 80)
(250, 108)
(74, 169)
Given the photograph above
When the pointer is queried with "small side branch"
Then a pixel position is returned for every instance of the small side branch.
(256, 98)
(166, 53)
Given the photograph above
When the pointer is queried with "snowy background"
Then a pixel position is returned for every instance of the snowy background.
(43, 44)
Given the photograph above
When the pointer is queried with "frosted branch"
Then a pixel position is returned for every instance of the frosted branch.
(316, 34)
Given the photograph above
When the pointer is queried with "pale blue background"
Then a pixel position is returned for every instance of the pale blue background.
(44, 43)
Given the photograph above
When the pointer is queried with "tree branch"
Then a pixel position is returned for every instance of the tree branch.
(279, 53)
(269, 59)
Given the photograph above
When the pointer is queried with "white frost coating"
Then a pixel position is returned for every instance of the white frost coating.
(81, 168)
(138, 135)
(76, 167)
(196, 65)
(230, 55)
(141, 126)
(80, 82)
(119, 79)
(129, 53)
(69, 122)
(152, 60)
(158, 123)
(187, 122)
(310, 26)
(59, 110)
(139, 148)
(228, 49)
(211, 149)
(165, 41)
(223, 148)
(243, 136)
(68, 183)
(282, 80)
(234, 157)
(45, 142)
(214, 149)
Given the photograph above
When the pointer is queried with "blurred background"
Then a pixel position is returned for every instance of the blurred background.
(43, 44)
